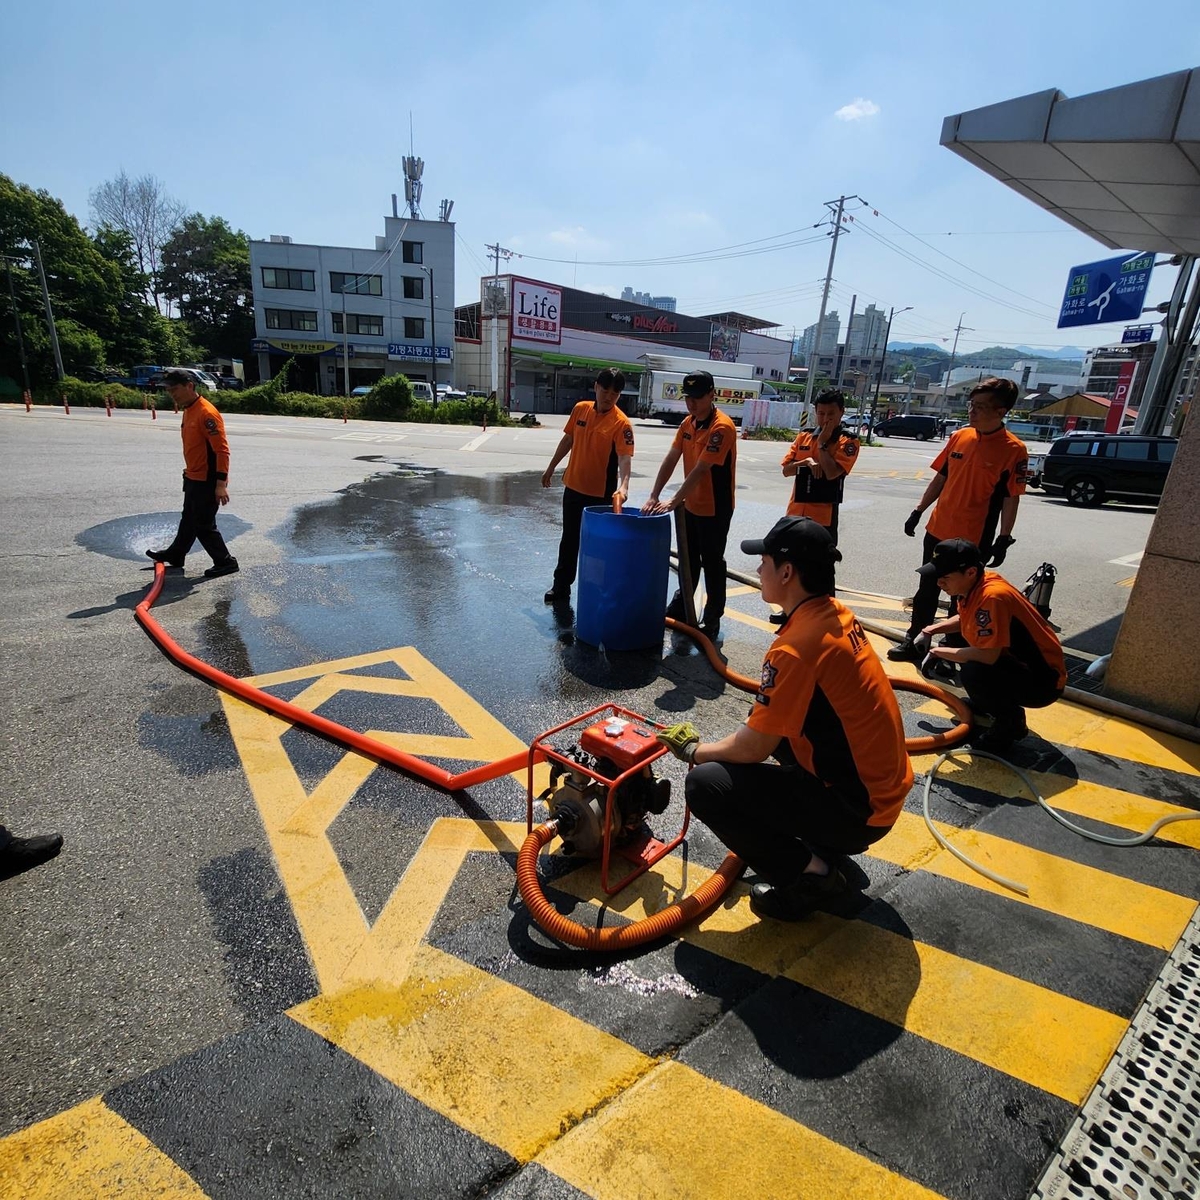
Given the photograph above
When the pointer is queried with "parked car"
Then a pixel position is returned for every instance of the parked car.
(1089, 468)
(230, 383)
(360, 391)
(912, 425)
(202, 379)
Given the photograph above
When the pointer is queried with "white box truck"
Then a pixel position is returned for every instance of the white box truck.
(660, 393)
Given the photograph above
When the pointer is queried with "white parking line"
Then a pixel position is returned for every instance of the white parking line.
(370, 437)
(475, 443)
(1130, 560)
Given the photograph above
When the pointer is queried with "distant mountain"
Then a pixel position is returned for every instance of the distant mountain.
(1073, 352)
(917, 346)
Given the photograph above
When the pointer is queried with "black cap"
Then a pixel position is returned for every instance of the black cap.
(798, 540)
(955, 554)
(697, 384)
(175, 375)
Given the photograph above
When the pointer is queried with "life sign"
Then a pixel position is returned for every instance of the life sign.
(536, 311)
(1112, 290)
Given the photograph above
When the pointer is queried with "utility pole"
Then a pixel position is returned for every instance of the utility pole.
(841, 362)
(953, 351)
(12, 295)
(494, 304)
(345, 344)
(882, 359)
(814, 358)
(37, 251)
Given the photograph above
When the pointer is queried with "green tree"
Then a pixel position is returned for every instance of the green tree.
(205, 269)
(97, 295)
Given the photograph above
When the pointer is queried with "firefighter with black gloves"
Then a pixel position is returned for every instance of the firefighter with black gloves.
(827, 714)
(1011, 659)
(977, 487)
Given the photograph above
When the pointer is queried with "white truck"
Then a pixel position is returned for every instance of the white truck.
(660, 394)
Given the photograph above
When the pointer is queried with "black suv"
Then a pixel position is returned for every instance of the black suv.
(1089, 468)
(910, 425)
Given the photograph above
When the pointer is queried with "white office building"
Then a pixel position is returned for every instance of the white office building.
(384, 311)
(829, 336)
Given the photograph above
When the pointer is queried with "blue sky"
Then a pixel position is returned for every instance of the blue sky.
(597, 132)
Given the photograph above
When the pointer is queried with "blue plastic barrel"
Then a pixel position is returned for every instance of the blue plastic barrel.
(624, 565)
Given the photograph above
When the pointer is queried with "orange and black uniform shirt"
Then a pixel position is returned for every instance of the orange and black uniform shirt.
(713, 440)
(597, 440)
(824, 689)
(994, 615)
(205, 450)
(981, 469)
(812, 497)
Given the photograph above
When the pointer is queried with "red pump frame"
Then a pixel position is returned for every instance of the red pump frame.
(644, 854)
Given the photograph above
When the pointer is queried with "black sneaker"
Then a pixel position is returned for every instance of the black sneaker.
(712, 632)
(557, 595)
(23, 853)
(799, 899)
(161, 556)
(777, 618)
(940, 670)
(228, 567)
(905, 651)
(1001, 736)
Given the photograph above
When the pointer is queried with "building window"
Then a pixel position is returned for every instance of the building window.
(466, 322)
(414, 327)
(412, 251)
(355, 285)
(359, 323)
(295, 281)
(291, 318)
(414, 287)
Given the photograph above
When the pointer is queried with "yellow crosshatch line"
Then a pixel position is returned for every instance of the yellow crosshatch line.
(88, 1151)
(344, 947)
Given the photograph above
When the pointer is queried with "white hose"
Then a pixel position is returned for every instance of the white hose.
(1138, 840)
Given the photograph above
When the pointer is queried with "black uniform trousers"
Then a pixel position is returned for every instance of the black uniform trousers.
(199, 520)
(706, 538)
(1007, 687)
(573, 505)
(774, 817)
(925, 602)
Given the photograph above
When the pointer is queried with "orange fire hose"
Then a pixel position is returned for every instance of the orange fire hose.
(377, 750)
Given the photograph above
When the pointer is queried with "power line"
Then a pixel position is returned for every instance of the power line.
(716, 254)
(962, 264)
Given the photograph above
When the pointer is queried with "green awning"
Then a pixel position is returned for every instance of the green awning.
(553, 359)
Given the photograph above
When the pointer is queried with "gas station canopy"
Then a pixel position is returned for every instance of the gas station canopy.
(1122, 165)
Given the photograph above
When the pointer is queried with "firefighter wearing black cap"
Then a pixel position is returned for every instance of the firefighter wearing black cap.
(707, 442)
(827, 713)
(599, 438)
(205, 478)
(1012, 659)
(976, 489)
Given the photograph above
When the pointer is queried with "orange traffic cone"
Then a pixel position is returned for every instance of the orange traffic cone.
(108, 405)
(66, 406)
(345, 419)
(153, 413)
(28, 401)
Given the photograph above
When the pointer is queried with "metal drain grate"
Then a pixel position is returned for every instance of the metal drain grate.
(1137, 1136)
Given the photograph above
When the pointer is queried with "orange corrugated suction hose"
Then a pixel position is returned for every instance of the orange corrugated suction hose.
(616, 937)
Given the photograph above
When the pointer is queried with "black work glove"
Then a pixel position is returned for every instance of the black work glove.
(1000, 549)
(914, 519)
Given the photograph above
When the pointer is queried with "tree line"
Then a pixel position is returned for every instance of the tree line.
(144, 282)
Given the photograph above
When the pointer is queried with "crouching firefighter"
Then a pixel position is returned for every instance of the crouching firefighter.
(827, 714)
(1012, 660)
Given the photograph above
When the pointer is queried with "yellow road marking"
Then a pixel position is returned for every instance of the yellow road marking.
(1034, 1034)
(678, 1133)
(344, 948)
(1056, 885)
(1125, 810)
(1127, 583)
(88, 1151)
(489, 1056)
(1054, 1042)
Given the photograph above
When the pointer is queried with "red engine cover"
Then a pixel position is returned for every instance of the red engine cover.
(625, 743)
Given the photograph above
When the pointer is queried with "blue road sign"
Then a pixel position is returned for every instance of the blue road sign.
(1137, 333)
(1112, 290)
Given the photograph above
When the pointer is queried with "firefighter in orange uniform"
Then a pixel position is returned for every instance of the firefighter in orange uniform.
(820, 460)
(205, 479)
(707, 442)
(978, 485)
(599, 438)
(827, 714)
(1012, 659)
